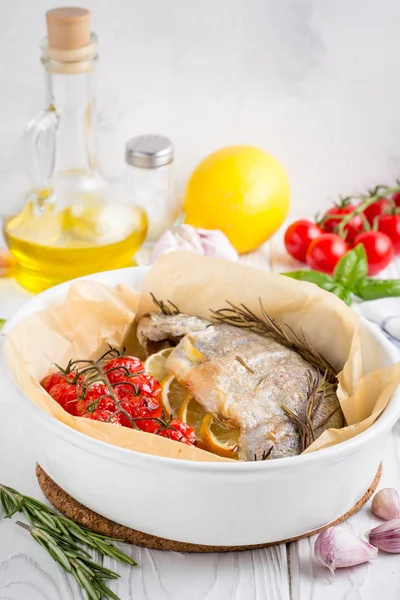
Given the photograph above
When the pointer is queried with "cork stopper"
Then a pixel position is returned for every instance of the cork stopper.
(68, 28)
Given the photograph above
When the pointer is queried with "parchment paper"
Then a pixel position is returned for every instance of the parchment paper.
(93, 315)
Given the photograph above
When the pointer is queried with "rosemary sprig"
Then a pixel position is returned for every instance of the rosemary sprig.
(163, 307)
(62, 538)
(318, 388)
(241, 316)
(244, 364)
(266, 455)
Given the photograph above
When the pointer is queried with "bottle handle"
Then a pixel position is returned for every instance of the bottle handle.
(40, 151)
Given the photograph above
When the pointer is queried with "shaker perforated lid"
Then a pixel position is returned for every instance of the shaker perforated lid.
(149, 151)
(68, 28)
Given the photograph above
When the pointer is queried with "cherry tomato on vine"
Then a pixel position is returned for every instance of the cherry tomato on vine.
(103, 415)
(120, 368)
(376, 209)
(149, 386)
(95, 397)
(352, 228)
(140, 385)
(325, 252)
(390, 224)
(298, 237)
(378, 248)
(146, 410)
(180, 432)
(53, 379)
(65, 394)
(396, 199)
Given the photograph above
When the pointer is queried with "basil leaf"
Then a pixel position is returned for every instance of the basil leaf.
(326, 282)
(316, 277)
(344, 294)
(352, 268)
(2, 323)
(373, 289)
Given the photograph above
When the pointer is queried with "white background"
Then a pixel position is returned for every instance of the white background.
(315, 82)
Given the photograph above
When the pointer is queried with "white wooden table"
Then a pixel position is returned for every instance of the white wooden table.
(286, 572)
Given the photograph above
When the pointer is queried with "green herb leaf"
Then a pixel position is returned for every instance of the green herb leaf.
(316, 277)
(59, 536)
(326, 282)
(2, 323)
(373, 289)
(351, 268)
(343, 293)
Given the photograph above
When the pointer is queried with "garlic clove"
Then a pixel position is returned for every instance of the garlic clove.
(216, 243)
(386, 504)
(338, 547)
(169, 242)
(189, 234)
(386, 537)
(201, 241)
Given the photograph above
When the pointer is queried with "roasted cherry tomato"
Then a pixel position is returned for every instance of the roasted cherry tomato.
(127, 389)
(103, 415)
(146, 410)
(65, 394)
(325, 252)
(378, 208)
(149, 385)
(139, 385)
(298, 237)
(353, 227)
(53, 379)
(378, 248)
(119, 368)
(93, 398)
(390, 224)
(180, 432)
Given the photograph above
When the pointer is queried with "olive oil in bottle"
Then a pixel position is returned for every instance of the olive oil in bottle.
(74, 220)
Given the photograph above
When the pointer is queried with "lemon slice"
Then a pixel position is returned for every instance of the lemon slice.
(219, 437)
(192, 413)
(173, 395)
(155, 364)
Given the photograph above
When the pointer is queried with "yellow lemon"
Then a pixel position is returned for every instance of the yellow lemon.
(241, 190)
(173, 395)
(155, 364)
(219, 438)
(192, 413)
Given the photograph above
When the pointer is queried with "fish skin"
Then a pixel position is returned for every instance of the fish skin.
(156, 327)
(209, 363)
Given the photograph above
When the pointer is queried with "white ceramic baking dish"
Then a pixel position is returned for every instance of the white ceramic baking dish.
(222, 504)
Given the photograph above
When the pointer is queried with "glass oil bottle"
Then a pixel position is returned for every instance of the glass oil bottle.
(74, 220)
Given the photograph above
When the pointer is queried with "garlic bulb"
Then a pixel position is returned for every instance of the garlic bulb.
(338, 547)
(386, 504)
(201, 241)
(386, 537)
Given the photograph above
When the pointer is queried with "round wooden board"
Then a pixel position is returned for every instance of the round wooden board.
(84, 516)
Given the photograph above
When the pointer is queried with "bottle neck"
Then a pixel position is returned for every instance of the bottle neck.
(72, 97)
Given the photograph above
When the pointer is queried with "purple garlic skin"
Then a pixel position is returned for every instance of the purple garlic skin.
(386, 537)
(338, 547)
(386, 504)
(201, 241)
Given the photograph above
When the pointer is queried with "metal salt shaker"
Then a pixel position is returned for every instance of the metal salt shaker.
(150, 180)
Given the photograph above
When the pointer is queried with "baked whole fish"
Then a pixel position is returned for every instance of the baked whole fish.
(249, 380)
